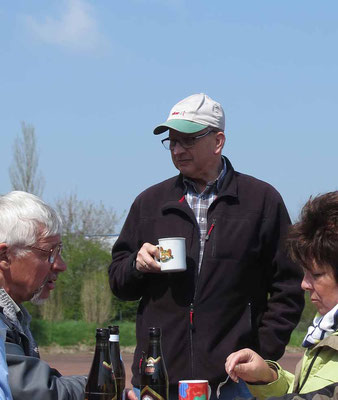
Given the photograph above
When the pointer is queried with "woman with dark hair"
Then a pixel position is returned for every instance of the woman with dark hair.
(313, 244)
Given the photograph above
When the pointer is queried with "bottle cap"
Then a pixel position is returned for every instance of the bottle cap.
(154, 331)
(102, 332)
(114, 330)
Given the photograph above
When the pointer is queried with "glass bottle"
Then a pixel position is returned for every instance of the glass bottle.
(116, 361)
(154, 377)
(101, 384)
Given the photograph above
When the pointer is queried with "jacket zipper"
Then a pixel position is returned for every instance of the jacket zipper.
(191, 310)
(191, 329)
(309, 370)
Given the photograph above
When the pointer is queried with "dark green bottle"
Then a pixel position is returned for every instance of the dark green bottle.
(101, 384)
(116, 361)
(154, 377)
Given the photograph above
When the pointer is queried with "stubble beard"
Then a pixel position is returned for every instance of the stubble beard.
(36, 300)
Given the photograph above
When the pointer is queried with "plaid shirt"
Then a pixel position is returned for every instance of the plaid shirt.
(200, 202)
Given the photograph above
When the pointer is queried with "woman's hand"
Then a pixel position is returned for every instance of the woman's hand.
(130, 395)
(249, 366)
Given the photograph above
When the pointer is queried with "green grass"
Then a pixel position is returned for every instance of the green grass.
(73, 333)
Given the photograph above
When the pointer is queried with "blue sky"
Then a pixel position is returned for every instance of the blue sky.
(95, 77)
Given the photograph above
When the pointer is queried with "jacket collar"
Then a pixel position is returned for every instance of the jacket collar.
(330, 341)
(230, 185)
(176, 192)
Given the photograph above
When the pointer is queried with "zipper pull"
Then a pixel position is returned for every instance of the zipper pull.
(210, 229)
(191, 316)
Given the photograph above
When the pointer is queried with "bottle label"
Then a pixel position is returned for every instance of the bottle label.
(114, 338)
(151, 364)
(148, 393)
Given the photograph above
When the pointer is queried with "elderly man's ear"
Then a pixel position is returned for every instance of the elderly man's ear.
(4, 260)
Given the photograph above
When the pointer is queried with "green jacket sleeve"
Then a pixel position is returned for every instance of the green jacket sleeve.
(277, 388)
(329, 392)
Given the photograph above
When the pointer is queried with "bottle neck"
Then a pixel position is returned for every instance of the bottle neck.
(114, 343)
(154, 347)
(114, 338)
(101, 346)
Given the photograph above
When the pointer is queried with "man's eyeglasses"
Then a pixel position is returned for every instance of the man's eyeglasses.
(186, 143)
(53, 252)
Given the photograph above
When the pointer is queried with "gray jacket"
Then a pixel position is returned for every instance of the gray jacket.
(33, 379)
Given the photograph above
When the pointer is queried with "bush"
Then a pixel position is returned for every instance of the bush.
(299, 333)
(308, 314)
(297, 337)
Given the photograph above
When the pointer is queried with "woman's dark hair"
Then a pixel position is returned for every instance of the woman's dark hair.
(315, 236)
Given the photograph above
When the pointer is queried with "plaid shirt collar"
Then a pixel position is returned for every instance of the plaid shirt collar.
(211, 187)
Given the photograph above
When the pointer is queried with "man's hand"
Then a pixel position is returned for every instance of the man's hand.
(249, 366)
(145, 259)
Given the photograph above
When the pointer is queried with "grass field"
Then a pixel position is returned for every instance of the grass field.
(72, 333)
(77, 333)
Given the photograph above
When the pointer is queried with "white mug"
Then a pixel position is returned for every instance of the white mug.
(172, 254)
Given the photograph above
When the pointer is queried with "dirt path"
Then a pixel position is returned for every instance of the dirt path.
(79, 363)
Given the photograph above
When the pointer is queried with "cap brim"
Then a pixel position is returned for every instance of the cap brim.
(180, 125)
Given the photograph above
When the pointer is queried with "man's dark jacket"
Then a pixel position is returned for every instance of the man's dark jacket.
(33, 379)
(247, 293)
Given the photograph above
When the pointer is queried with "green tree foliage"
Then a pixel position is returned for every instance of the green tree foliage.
(85, 258)
(307, 315)
(96, 297)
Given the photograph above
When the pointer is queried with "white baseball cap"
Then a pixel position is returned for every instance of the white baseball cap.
(193, 114)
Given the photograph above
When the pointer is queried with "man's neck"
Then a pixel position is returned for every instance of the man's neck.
(201, 183)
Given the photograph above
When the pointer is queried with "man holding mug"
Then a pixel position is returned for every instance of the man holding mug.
(239, 288)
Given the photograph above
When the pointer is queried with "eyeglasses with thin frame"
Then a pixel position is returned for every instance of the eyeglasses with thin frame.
(53, 252)
(186, 143)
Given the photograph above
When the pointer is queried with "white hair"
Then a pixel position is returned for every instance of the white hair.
(24, 218)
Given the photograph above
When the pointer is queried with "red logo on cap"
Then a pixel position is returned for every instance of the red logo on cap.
(177, 113)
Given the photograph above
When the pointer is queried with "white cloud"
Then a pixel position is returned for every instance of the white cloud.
(75, 28)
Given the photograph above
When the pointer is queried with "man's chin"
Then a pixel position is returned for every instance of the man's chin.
(40, 297)
(37, 301)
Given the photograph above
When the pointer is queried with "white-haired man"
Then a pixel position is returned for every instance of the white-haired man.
(30, 260)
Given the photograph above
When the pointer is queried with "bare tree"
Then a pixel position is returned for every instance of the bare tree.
(85, 217)
(24, 169)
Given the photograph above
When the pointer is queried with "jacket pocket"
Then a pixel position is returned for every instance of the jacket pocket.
(233, 238)
(328, 373)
